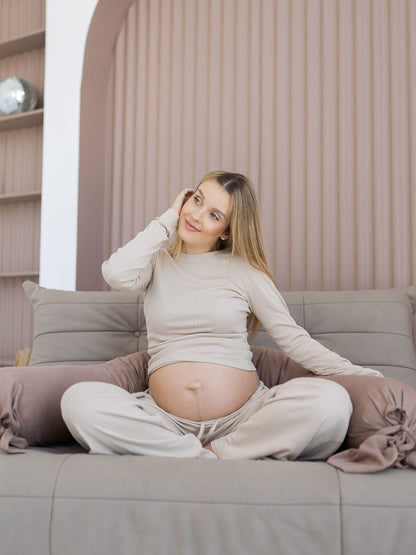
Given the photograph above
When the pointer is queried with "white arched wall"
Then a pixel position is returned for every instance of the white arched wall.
(67, 24)
(72, 28)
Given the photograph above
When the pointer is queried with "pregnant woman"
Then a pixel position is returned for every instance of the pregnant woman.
(204, 297)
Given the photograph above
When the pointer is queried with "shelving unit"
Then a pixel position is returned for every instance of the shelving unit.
(20, 187)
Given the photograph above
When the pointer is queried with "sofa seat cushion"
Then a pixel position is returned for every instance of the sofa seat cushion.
(71, 502)
(132, 504)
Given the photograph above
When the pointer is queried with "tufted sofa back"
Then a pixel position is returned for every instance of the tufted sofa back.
(371, 328)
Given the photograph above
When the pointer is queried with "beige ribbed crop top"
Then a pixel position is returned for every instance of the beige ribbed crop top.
(196, 308)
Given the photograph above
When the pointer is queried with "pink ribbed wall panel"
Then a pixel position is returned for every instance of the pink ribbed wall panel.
(20, 224)
(315, 100)
(21, 160)
(19, 17)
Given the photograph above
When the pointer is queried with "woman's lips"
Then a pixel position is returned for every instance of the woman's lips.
(190, 227)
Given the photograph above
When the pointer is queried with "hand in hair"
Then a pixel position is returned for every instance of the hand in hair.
(180, 200)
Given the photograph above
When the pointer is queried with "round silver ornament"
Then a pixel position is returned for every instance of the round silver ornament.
(17, 95)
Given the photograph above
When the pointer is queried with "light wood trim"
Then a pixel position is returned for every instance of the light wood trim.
(24, 273)
(18, 121)
(30, 41)
(27, 196)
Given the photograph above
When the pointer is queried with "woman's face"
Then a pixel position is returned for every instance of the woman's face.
(204, 218)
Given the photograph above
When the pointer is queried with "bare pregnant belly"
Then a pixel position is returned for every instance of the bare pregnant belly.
(201, 391)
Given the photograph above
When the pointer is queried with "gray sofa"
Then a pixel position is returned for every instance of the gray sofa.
(59, 500)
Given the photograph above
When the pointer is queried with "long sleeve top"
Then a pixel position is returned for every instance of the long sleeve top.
(196, 307)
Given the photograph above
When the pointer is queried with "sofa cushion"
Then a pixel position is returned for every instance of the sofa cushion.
(84, 327)
(382, 429)
(371, 328)
(65, 504)
(30, 397)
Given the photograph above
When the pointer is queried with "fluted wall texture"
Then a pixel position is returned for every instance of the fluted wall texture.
(20, 160)
(314, 99)
(19, 17)
(20, 184)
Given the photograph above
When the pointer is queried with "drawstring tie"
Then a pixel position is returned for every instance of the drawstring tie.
(210, 431)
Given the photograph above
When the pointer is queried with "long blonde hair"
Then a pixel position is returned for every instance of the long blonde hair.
(245, 235)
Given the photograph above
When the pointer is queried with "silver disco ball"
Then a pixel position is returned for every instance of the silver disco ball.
(17, 95)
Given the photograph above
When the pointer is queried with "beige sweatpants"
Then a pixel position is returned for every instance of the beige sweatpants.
(305, 418)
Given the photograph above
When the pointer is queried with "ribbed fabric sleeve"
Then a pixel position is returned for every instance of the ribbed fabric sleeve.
(131, 266)
(270, 308)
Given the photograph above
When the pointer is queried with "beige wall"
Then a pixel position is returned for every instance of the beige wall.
(315, 100)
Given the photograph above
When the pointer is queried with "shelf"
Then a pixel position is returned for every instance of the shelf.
(30, 41)
(18, 121)
(28, 273)
(28, 196)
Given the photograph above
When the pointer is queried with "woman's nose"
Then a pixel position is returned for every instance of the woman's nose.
(196, 214)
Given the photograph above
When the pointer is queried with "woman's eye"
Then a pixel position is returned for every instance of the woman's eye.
(214, 216)
(197, 200)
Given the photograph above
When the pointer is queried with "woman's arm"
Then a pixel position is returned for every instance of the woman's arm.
(270, 308)
(131, 267)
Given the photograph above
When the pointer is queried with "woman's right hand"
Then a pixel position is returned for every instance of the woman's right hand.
(180, 200)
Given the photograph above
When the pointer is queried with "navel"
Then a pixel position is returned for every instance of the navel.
(194, 386)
